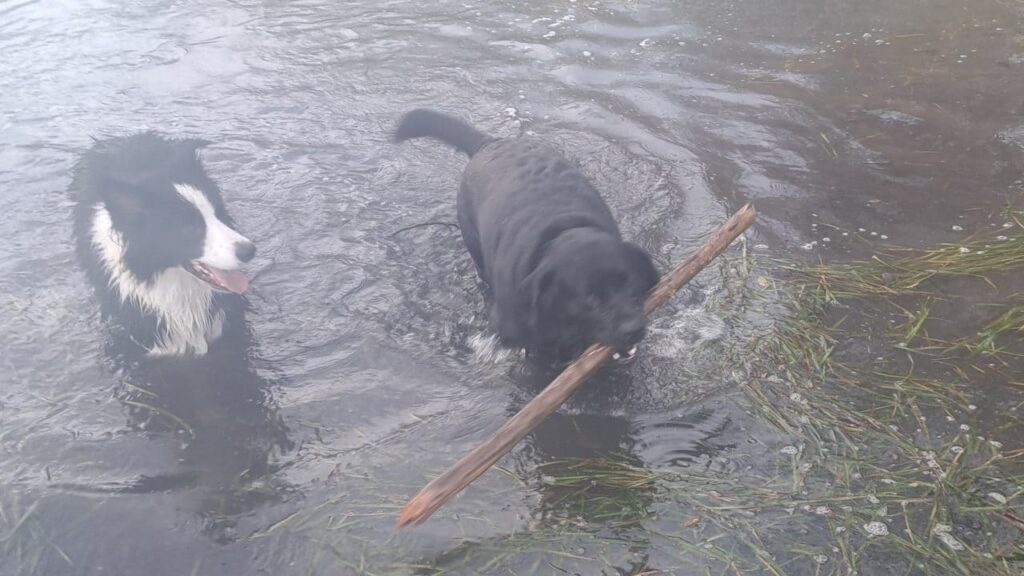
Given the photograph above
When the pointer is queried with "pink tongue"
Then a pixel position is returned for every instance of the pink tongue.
(232, 280)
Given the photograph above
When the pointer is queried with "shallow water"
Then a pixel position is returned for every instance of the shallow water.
(851, 125)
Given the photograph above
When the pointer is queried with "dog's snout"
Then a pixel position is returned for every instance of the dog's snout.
(631, 332)
(633, 336)
(245, 250)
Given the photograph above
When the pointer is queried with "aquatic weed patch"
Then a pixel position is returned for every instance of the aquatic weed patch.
(24, 541)
(908, 463)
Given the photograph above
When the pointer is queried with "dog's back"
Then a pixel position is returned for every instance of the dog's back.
(518, 194)
(518, 191)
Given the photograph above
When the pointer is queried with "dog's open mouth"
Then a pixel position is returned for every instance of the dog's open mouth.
(223, 280)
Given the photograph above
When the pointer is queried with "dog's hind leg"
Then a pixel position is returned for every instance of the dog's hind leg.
(471, 238)
(473, 246)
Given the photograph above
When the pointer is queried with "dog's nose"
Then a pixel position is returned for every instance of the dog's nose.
(244, 251)
(631, 332)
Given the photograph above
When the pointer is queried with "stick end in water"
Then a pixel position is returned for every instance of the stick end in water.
(413, 513)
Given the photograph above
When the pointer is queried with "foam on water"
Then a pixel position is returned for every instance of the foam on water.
(488, 349)
(671, 336)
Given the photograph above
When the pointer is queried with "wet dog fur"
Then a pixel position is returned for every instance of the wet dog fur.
(156, 241)
(545, 243)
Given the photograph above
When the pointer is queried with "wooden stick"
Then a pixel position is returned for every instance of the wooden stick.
(472, 465)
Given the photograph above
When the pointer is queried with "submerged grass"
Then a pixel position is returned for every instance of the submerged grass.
(900, 272)
(615, 491)
(24, 543)
(909, 478)
(986, 342)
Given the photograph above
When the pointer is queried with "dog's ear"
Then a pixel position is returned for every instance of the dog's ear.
(123, 203)
(642, 264)
(534, 294)
(187, 150)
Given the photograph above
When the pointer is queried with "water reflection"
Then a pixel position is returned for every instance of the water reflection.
(216, 418)
(223, 415)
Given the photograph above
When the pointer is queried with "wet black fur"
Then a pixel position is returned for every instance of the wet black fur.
(545, 243)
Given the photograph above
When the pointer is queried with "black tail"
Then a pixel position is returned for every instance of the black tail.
(452, 131)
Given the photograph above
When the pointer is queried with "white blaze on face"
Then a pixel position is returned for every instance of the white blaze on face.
(221, 240)
(180, 302)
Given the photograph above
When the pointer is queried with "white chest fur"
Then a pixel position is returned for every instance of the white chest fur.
(180, 301)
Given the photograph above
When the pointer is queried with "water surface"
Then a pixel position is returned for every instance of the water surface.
(850, 124)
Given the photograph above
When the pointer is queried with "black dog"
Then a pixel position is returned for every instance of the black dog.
(545, 243)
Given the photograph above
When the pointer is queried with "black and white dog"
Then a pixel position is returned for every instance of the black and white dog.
(153, 235)
(545, 243)
(158, 245)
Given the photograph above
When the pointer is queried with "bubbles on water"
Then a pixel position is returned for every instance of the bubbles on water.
(957, 228)
(997, 497)
(876, 529)
(895, 117)
(944, 532)
(671, 336)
